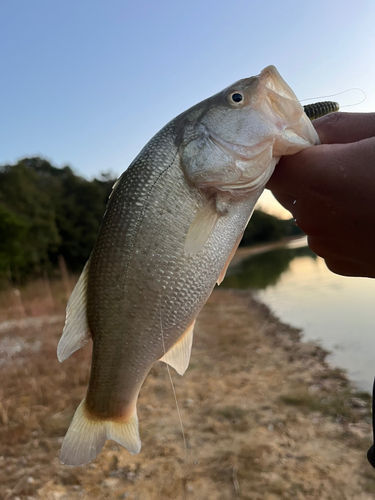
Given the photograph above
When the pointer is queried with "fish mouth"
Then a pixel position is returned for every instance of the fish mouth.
(277, 102)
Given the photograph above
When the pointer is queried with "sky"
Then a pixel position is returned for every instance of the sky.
(88, 83)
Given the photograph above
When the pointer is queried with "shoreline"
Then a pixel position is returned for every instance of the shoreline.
(243, 252)
(265, 417)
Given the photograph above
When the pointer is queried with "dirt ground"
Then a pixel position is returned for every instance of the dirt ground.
(265, 417)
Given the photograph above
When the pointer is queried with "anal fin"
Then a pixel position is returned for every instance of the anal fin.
(231, 255)
(179, 355)
(76, 331)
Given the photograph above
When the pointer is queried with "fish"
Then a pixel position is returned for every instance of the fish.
(172, 224)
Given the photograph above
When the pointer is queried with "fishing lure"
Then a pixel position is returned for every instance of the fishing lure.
(318, 109)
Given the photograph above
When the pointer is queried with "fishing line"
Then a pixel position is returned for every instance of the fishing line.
(339, 93)
(173, 389)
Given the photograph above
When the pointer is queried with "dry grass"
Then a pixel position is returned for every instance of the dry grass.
(265, 418)
(38, 298)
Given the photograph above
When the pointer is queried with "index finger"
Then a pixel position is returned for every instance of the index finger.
(306, 169)
(340, 128)
(328, 170)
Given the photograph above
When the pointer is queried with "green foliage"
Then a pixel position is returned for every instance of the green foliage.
(13, 231)
(264, 228)
(28, 218)
(260, 270)
(46, 212)
(264, 269)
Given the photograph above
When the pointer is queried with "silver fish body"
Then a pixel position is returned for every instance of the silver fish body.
(172, 224)
(144, 291)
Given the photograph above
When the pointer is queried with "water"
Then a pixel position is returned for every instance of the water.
(336, 311)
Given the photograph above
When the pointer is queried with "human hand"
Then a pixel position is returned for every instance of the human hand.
(330, 190)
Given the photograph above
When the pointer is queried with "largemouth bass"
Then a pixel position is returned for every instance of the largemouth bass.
(173, 222)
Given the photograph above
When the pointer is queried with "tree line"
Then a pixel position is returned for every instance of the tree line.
(266, 228)
(47, 212)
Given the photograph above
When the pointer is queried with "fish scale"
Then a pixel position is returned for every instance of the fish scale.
(167, 184)
(171, 227)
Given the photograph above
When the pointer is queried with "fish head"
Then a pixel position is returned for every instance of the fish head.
(233, 140)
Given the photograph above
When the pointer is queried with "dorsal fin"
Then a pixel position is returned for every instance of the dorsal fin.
(179, 355)
(76, 331)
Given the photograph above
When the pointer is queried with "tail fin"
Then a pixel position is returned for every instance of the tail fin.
(86, 436)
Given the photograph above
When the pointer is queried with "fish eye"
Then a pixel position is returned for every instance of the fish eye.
(236, 97)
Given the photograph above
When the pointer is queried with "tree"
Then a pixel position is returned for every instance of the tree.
(28, 219)
(262, 228)
(46, 212)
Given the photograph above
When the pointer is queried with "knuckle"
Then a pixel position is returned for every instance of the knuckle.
(329, 122)
(307, 213)
(346, 267)
(337, 267)
(317, 246)
(304, 225)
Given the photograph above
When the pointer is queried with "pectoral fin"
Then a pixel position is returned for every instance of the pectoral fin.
(231, 255)
(201, 228)
(76, 331)
(179, 355)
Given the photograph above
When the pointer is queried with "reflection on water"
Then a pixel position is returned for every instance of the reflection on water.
(335, 310)
(265, 269)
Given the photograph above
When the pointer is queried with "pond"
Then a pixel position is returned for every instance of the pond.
(336, 311)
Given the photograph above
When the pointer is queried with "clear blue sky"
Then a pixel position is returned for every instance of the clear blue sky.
(88, 83)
